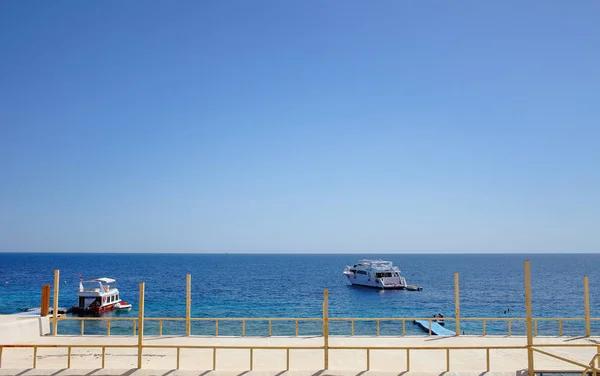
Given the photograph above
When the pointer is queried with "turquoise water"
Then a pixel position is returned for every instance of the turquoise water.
(239, 285)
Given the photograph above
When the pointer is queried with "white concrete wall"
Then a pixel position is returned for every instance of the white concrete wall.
(15, 329)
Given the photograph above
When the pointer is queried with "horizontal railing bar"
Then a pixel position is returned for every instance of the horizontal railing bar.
(274, 347)
(298, 347)
(254, 319)
(98, 318)
(65, 345)
(426, 347)
(563, 371)
(564, 345)
(559, 318)
(63, 318)
(176, 346)
(236, 347)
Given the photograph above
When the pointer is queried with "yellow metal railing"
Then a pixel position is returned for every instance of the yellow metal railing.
(297, 320)
(590, 367)
(243, 320)
(368, 349)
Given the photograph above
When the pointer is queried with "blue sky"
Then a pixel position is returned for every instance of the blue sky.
(308, 126)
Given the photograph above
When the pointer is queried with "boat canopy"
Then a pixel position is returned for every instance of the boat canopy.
(105, 280)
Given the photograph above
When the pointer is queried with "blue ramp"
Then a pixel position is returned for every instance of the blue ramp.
(436, 328)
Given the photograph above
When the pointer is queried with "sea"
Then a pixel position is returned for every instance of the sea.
(292, 286)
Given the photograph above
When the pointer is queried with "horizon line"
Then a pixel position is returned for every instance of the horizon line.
(306, 253)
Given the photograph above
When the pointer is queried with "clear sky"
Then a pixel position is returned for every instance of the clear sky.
(300, 126)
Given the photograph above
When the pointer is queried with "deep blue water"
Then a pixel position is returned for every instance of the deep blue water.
(267, 285)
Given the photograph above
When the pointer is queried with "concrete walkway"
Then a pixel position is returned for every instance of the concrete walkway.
(158, 361)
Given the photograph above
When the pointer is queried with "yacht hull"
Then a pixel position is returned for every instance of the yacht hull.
(358, 280)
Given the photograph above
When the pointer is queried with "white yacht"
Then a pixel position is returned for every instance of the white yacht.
(375, 273)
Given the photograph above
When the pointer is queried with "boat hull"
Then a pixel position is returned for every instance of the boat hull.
(359, 280)
(93, 311)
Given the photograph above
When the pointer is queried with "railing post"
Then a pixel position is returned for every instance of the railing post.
(141, 325)
(326, 329)
(529, 315)
(457, 303)
(188, 303)
(55, 303)
(214, 358)
(560, 328)
(45, 307)
(586, 302)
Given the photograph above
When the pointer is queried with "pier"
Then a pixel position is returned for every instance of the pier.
(139, 354)
(434, 328)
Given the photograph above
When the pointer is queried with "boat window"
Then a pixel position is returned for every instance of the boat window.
(361, 272)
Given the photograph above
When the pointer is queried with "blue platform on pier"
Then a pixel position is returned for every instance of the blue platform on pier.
(436, 328)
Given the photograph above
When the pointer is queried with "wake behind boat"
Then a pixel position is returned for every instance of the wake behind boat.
(375, 273)
(99, 295)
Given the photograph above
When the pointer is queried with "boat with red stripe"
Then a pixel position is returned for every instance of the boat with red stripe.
(99, 295)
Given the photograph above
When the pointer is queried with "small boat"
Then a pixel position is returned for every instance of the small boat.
(97, 296)
(375, 273)
(123, 306)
